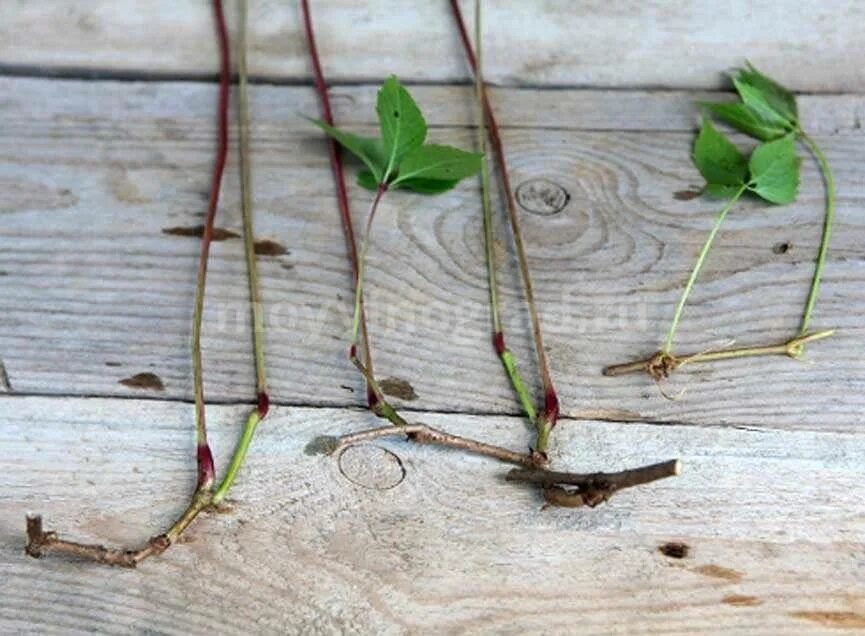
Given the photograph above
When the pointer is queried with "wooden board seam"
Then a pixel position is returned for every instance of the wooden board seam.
(63, 73)
(412, 414)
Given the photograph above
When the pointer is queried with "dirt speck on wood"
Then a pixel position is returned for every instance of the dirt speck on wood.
(843, 620)
(219, 233)
(741, 600)
(719, 572)
(398, 388)
(266, 247)
(146, 380)
(687, 195)
(674, 549)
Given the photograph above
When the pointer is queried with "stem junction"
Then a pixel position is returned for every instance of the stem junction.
(661, 363)
(40, 542)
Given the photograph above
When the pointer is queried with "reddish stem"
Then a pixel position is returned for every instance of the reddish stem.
(339, 179)
(551, 402)
(205, 459)
(206, 468)
(40, 542)
(263, 404)
(499, 342)
(551, 406)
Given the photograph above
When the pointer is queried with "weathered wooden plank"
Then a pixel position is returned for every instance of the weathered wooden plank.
(444, 106)
(94, 291)
(773, 521)
(680, 44)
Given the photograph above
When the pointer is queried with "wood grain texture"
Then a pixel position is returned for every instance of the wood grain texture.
(773, 517)
(809, 46)
(96, 284)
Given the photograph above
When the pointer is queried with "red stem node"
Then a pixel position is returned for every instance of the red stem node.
(206, 469)
(551, 407)
(499, 342)
(263, 404)
(371, 399)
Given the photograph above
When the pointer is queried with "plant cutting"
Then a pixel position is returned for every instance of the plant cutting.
(559, 488)
(545, 421)
(377, 401)
(207, 494)
(768, 112)
(339, 179)
(399, 159)
(384, 172)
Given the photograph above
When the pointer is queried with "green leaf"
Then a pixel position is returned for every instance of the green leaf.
(774, 170)
(367, 180)
(760, 104)
(422, 186)
(428, 186)
(740, 117)
(402, 125)
(367, 149)
(717, 159)
(778, 97)
(718, 191)
(438, 163)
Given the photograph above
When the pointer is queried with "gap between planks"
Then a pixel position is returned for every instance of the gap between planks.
(97, 74)
(606, 416)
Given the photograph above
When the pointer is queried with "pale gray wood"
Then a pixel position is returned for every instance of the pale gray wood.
(774, 521)
(93, 291)
(815, 46)
(443, 106)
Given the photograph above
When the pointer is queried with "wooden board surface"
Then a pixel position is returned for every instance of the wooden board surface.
(812, 46)
(95, 291)
(773, 521)
(106, 144)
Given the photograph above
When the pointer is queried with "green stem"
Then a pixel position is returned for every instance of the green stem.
(485, 177)
(379, 404)
(238, 458)
(258, 414)
(546, 420)
(510, 365)
(200, 501)
(375, 396)
(205, 457)
(40, 542)
(246, 205)
(361, 264)
(827, 230)
(507, 358)
(339, 180)
(792, 348)
(668, 345)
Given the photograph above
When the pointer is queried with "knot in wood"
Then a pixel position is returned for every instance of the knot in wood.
(542, 196)
(371, 466)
